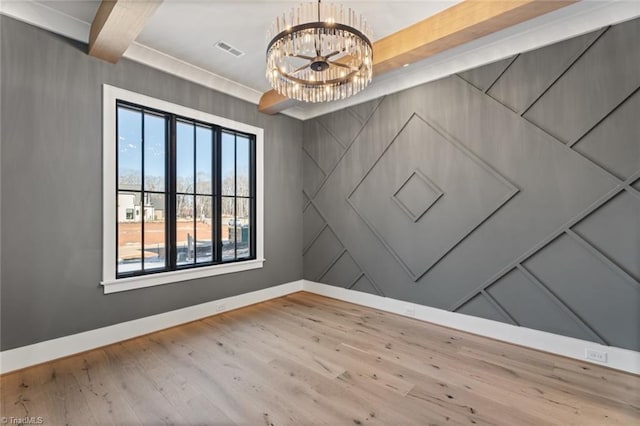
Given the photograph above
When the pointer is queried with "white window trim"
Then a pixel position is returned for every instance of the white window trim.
(109, 145)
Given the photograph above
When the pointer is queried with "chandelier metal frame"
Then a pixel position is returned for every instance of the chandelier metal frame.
(328, 79)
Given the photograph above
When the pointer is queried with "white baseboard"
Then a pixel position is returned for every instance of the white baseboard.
(38, 353)
(618, 358)
(25, 356)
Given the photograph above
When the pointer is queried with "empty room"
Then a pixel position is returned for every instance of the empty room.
(320, 213)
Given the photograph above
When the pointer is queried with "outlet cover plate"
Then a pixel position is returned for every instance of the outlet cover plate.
(596, 355)
(410, 311)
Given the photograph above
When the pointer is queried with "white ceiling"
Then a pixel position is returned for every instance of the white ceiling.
(189, 29)
(179, 38)
(83, 10)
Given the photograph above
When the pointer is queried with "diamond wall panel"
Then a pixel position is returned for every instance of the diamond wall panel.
(305, 201)
(473, 193)
(343, 273)
(614, 229)
(364, 111)
(532, 72)
(416, 195)
(343, 125)
(537, 221)
(313, 225)
(479, 306)
(591, 290)
(532, 307)
(312, 176)
(364, 284)
(321, 146)
(321, 254)
(615, 143)
(483, 77)
(602, 78)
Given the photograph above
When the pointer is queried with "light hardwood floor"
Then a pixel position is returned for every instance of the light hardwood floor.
(306, 359)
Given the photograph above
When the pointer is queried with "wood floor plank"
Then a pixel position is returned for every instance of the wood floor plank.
(213, 391)
(271, 341)
(327, 349)
(353, 372)
(192, 406)
(534, 371)
(50, 388)
(247, 368)
(141, 391)
(250, 391)
(22, 394)
(452, 397)
(342, 399)
(306, 359)
(238, 403)
(386, 360)
(104, 398)
(555, 384)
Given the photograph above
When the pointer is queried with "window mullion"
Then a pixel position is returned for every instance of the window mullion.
(117, 185)
(142, 192)
(252, 196)
(235, 196)
(195, 198)
(171, 249)
(218, 197)
(212, 198)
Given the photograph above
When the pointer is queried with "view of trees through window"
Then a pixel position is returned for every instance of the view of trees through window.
(185, 192)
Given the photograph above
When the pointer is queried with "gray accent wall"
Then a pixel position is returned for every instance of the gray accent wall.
(508, 192)
(51, 153)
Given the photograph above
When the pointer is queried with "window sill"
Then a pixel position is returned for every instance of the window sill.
(124, 284)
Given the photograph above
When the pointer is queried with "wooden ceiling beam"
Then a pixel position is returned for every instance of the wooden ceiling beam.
(116, 25)
(457, 25)
(273, 102)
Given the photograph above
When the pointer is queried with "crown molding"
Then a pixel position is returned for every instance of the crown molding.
(42, 16)
(571, 21)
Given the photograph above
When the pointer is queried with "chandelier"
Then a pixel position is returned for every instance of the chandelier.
(319, 53)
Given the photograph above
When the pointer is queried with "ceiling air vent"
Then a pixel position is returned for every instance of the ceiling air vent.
(222, 45)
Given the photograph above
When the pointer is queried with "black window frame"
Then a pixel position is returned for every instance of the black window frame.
(171, 193)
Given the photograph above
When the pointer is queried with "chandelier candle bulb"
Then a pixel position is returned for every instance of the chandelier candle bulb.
(317, 56)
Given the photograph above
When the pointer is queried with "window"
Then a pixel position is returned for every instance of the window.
(182, 193)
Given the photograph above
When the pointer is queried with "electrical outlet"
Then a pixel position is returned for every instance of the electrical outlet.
(595, 355)
(221, 307)
(410, 311)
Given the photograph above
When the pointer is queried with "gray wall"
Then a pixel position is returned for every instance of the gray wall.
(51, 190)
(508, 192)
